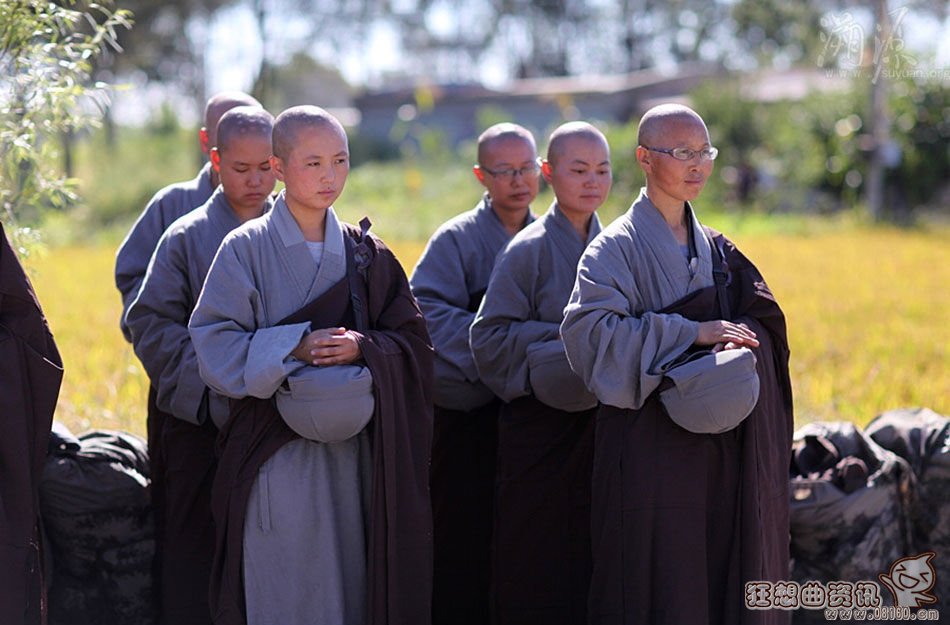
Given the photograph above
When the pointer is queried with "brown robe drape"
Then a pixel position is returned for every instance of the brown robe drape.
(680, 521)
(31, 371)
(397, 349)
(464, 454)
(541, 545)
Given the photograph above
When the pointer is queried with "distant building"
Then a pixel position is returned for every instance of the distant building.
(459, 111)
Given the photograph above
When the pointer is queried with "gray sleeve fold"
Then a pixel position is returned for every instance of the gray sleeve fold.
(235, 357)
(133, 255)
(503, 329)
(438, 284)
(157, 321)
(608, 344)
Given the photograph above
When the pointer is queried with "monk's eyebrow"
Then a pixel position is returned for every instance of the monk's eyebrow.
(341, 153)
(578, 161)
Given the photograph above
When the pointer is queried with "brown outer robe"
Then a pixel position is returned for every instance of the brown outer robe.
(31, 371)
(398, 351)
(677, 515)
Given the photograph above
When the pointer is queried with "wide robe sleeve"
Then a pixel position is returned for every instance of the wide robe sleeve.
(505, 326)
(158, 322)
(440, 287)
(611, 342)
(237, 357)
(134, 254)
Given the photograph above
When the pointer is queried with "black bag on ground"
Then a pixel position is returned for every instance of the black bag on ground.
(922, 438)
(849, 508)
(95, 505)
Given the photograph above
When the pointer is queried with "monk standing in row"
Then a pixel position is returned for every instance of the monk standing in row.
(680, 520)
(131, 264)
(158, 321)
(320, 500)
(541, 538)
(449, 282)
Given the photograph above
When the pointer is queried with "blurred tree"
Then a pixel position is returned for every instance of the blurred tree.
(46, 54)
(302, 80)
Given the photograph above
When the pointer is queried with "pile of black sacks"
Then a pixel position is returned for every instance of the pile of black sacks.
(861, 500)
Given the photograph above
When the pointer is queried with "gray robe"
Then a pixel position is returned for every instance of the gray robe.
(132, 258)
(183, 414)
(448, 282)
(701, 513)
(614, 340)
(305, 535)
(158, 317)
(519, 320)
(541, 534)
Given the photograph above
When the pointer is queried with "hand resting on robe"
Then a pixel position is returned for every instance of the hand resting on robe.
(328, 346)
(725, 335)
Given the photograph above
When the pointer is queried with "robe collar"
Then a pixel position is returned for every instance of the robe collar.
(221, 214)
(568, 243)
(656, 236)
(312, 280)
(491, 225)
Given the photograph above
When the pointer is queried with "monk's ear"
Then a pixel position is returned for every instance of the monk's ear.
(215, 159)
(479, 173)
(644, 158)
(204, 140)
(546, 170)
(278, 166)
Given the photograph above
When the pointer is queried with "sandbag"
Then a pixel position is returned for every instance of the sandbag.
(96, 512)
(922, 438)
(849, 508)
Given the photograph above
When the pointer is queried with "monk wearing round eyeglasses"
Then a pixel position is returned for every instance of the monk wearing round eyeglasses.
(681, 519)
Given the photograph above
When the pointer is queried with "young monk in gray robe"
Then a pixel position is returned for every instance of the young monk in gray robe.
(170, 203)
(319, 519)
(541, 538)
(449, 282)
(680, 520)
(132, 259)
(158, 320)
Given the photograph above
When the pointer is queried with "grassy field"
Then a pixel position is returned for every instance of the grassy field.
(866, 307)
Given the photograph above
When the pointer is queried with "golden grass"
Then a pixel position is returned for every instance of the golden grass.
(867, 314)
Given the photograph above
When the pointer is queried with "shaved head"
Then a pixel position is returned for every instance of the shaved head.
(289, 124)
(500, 132)
(656, 122)
(243, 121)
(218, 105)
(562, 135)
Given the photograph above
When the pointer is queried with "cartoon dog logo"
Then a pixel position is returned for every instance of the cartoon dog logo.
(909, 580)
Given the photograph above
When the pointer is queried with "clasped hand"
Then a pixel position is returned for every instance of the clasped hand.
(725, 335)
(328, 346)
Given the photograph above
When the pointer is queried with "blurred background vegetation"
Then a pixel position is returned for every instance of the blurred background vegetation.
(97, 113)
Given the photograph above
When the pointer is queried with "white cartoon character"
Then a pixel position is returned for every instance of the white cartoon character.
(909, 580)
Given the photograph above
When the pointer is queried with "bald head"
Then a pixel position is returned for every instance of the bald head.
(243, 121)
(657, 121)
(291, 122)
(218, 105)
(564, 135)
(501, 132)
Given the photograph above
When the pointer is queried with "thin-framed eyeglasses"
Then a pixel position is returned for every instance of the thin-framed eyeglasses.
(686, 154)
(508, 174)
